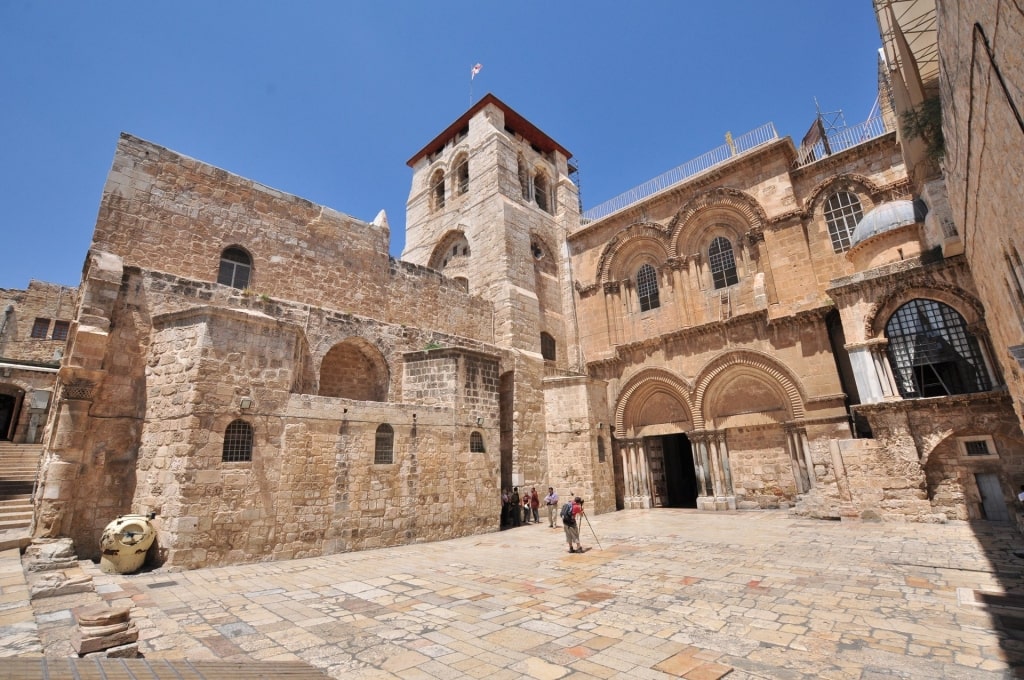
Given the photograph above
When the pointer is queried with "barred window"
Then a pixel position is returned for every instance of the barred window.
(476, 443)
(40, 328)
(384, 445)
(235, 268)
(60, 330)
(437, 190)
(462, 175)
(931, 352)
(237, 442)
(647, 288)
(723, 264)
(541, 194)
(547, 347)
(842, 214)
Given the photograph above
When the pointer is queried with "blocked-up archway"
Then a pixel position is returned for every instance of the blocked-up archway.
(354, 369)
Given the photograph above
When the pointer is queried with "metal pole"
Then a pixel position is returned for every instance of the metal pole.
(592, 530)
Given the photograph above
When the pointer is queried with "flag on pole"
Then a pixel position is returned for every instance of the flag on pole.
(476, 69)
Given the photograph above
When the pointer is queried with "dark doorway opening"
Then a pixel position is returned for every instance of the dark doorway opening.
(680, 475)
(7, 404)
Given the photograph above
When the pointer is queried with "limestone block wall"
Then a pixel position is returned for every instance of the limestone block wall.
(301, 251)
(762, 469)
(577, 463)
(49, 302)
(918, 454)
(983, 167)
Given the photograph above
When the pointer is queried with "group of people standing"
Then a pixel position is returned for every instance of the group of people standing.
(518, 509)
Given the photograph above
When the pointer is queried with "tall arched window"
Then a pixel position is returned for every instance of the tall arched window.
(542, 192)
(842, 214)
(462, 175)
(723, 264)
(384, 445)
(235, 268)
(476, 443)
(237, 442)
(437, 190)
(647, 288)
(547, 347)
(932, 353)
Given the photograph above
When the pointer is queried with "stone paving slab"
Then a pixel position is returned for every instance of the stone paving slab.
(671, 593)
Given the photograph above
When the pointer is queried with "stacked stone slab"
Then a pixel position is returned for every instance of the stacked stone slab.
(105, 631)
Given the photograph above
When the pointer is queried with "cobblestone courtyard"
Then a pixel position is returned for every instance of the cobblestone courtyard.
(670, 593)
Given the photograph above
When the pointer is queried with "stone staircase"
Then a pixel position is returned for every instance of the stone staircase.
(19, 465)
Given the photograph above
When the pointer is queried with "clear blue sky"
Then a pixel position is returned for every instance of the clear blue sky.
(329, 99)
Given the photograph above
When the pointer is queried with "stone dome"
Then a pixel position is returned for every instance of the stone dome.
(886, 217)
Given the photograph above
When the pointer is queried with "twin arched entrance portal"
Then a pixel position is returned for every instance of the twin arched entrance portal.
(733, 433)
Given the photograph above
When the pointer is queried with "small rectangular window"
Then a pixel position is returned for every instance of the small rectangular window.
(40, 328)
(60, 330)
(977, 447)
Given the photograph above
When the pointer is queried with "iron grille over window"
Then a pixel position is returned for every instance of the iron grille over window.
(476, 443)
(647, 288)
(39, 328)
(977, 447)
(384, 445)
(842, 213)
(237, 442)
(931, 352)
(540, 192)
(462, 176)
(437, 189)
(235, 268)
(547, 347)
(60, 330)
(723, 264)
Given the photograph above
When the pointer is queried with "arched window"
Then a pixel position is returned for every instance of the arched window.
(547, 347)
(723, 264)
(541, 192)
(462, 175)
(437, 190)
(235, 268)
(932, 353)
(476, 443)
(237, 442)
(384, 445)
(842, 213)
(647, 288)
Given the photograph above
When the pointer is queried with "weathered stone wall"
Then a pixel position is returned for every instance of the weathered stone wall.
(983, 166)
(46, 301)
(301, 251)
(762, 470)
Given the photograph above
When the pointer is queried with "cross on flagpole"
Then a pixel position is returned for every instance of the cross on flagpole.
(472, 74)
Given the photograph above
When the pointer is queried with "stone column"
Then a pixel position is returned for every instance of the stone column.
(890, 389)
(805, 450)
(644, 476)
(613, 311)
(796, 460)
(679, 290)
(756, 239)
(726, 496)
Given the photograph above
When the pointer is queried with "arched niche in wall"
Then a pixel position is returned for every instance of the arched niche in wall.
(354, 369)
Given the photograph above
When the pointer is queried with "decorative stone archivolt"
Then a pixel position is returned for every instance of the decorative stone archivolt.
(860, 185)
(638, 388)
(752, 361)
(743, 208)
(647, 241)
(966, 305)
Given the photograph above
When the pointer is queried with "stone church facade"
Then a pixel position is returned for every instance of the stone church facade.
(784, 327)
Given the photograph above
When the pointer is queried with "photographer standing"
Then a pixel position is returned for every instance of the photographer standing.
(570, 513)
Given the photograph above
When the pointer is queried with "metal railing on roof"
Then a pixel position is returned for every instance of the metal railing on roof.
(841, 140)
(762, 135)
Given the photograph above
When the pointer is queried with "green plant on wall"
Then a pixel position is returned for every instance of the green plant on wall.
(925, 122)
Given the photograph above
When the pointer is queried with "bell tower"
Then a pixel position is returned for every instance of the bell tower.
(491, 203)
